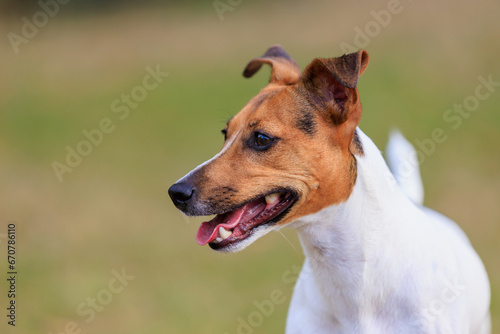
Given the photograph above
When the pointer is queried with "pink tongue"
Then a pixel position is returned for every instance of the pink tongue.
(209, 231)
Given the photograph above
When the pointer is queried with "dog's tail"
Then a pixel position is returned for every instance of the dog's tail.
(402, 160)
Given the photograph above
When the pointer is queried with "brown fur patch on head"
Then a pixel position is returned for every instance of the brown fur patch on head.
(313, 129)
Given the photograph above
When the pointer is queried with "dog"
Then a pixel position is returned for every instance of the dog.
(376, 259)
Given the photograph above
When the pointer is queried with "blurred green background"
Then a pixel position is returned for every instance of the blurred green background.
(112, 212)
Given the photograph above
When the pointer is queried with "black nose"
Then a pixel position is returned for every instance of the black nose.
(181, 193)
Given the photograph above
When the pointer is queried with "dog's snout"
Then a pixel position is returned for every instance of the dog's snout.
(181, 194)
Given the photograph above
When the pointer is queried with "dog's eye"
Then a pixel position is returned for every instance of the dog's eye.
(262, 141)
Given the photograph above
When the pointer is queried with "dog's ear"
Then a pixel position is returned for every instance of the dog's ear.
(285, 70)
(331, 84)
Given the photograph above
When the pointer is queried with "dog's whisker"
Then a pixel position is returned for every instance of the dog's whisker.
(295, 249)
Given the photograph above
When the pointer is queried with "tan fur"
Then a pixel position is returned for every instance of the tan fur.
(319, 167)
(297, 161)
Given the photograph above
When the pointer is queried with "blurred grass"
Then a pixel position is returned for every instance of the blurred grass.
(112, 211)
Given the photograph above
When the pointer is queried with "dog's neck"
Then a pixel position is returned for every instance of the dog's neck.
(342, 243)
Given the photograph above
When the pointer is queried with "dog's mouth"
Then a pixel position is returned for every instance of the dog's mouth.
(232, 227)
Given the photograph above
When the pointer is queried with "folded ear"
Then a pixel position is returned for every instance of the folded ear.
(285, 70)
(331, 84)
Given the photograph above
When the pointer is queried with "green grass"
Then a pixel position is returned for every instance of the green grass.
(112, 211)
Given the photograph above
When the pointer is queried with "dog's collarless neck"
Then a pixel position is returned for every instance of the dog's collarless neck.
(340, 241)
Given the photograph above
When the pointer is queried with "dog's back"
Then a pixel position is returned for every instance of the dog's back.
(403, 163)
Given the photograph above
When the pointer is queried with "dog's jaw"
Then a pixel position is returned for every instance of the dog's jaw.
(234, 227)
(257, 233)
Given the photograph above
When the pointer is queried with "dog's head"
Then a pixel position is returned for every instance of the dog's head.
(287, 154)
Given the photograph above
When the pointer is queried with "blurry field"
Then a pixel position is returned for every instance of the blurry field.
(112, 211)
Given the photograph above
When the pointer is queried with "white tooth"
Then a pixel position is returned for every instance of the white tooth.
(224, 234)
(270, 199)
(219, 239)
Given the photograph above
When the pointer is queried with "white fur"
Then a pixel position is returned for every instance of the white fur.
(378, 263)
